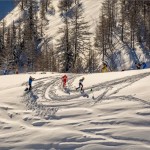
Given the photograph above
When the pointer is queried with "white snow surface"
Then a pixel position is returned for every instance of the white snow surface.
(117, 118)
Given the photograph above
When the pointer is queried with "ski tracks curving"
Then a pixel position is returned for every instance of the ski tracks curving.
(45, 99)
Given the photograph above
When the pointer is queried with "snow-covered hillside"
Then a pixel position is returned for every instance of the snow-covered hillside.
(123, 56)
(13, 16)
(91, 14)
(116, 116)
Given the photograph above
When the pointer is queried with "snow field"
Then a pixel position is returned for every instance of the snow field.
(47, 118)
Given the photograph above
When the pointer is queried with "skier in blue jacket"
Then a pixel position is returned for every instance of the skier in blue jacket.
(30, 83)
(144, 65)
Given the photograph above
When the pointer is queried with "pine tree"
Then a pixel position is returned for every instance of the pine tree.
(64, 45)
(79, 33)
(30, 34)
(91, 60)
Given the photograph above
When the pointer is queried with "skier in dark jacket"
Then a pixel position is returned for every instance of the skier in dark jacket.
(80, 84)
(30, 83)
(138, 65)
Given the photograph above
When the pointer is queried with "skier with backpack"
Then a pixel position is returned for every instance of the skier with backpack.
(80, 85)
(30, 84)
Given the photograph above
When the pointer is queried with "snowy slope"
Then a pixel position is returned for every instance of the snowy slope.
(118, 118)
(13, 16)
(91, 14)
(124, 57)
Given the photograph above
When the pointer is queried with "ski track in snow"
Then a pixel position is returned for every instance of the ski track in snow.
(46, 103)
(54, 119)
(54, 100)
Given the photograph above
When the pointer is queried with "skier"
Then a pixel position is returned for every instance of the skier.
(80, 85)
(64, 80)
(16, 71)
(30, 83)
(138, 65)
(144, 65)
(5, 72)
(105, 68)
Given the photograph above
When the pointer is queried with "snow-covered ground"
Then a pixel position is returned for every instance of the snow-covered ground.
(117, 118)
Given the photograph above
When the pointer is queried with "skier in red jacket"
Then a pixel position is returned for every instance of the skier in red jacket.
(64, 80)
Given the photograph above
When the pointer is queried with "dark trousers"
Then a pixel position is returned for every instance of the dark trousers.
(80, 86)
(30, 87)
